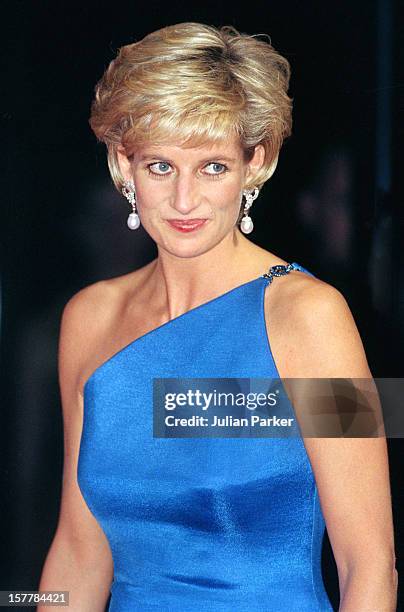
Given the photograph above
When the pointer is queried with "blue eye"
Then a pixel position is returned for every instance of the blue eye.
(220, 167)
(162, 167)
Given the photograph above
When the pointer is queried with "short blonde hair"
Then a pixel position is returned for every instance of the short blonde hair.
(190, 84)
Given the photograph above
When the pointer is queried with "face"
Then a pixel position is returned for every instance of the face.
(188, 199)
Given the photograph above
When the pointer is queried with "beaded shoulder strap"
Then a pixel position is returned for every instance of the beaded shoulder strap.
(279, 270)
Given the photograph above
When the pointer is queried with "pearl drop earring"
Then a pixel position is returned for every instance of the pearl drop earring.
(246, 224)
(128, 190)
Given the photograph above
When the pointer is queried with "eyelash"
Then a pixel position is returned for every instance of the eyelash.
(163, 176)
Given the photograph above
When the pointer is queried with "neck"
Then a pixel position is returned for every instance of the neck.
(185, 282)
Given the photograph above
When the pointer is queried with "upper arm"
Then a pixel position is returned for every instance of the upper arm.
(76, 525)
(321, 340)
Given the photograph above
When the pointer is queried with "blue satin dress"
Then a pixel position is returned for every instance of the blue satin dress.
(200, 524)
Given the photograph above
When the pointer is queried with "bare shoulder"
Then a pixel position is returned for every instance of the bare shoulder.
(89, 310)
(311, 329)
(86, 320)
(92, 305)
(84, 317)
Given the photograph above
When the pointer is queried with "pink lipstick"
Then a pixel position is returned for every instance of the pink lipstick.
(189, 225)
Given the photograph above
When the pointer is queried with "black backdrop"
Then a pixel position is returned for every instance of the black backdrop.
(333, 205)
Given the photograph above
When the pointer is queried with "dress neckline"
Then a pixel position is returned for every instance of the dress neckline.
(277, 270)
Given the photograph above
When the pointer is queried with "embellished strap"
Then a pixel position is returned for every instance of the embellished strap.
(279, 270)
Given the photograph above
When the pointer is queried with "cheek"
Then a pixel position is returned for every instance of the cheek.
(223, 193)
(149, 195)
(228, 198)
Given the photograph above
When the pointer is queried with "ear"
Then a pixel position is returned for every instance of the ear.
(257, 161)
(124, 164)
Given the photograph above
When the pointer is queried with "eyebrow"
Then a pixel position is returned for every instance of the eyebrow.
(207, 159)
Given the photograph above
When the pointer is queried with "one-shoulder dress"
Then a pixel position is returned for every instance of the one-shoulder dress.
(200, 524)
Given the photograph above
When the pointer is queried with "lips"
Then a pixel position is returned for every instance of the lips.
(186, 225)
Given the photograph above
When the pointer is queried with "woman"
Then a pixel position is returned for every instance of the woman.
(193, 118)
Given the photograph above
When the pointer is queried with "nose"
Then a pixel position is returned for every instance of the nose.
(186, 195)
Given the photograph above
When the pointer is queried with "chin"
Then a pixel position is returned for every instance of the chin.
(188, 251)
(189, 248)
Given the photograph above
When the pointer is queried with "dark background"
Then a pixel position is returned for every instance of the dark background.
(333, 206)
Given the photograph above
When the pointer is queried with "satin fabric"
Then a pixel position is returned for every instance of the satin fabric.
(200, 524)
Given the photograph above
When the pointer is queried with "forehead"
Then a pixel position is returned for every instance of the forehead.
(230, 150)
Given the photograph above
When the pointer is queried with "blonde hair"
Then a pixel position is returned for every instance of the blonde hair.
(190, 84)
